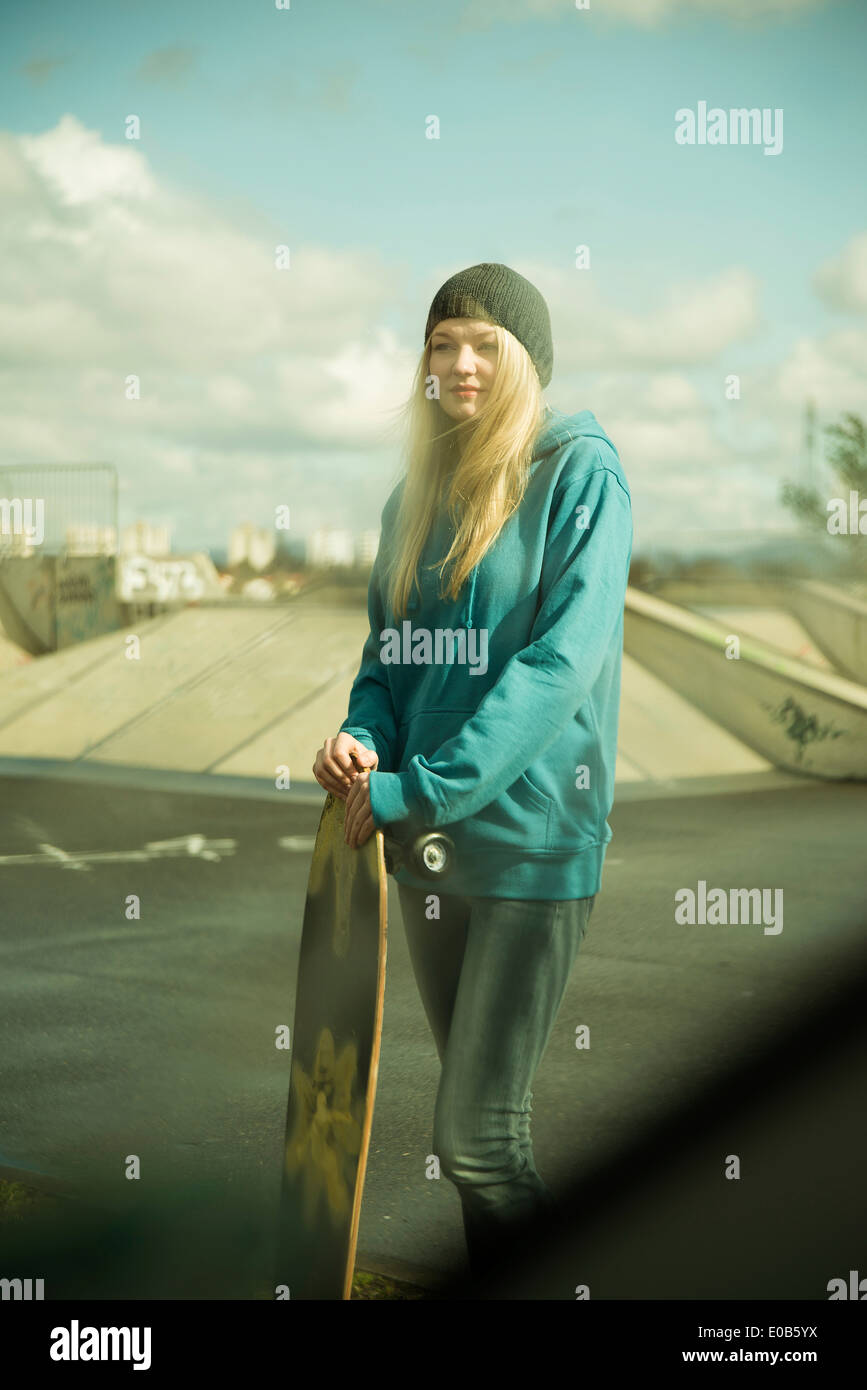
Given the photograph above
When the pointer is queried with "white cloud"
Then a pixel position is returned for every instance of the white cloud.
(841, 281)
(831, 370)
(485, 14)
(262, 386)
(84, 169)
(690, 324)
(669, 393)
(695, 460)
(104, 266)
(106, 273)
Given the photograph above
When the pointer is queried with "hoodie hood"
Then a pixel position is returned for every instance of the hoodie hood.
(558, 431)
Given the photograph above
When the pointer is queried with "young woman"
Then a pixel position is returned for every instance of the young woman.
(487, 702)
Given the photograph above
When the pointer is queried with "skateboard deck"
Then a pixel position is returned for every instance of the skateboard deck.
(335, 1045)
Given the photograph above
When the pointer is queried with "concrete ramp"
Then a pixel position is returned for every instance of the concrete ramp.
(222, 689)
(11, 655)
(239, 689)
(776, 627)
(822, 624)
(799, 718)
(663, 740)
(837, 623)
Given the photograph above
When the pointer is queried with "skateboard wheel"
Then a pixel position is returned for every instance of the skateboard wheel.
(431, 855)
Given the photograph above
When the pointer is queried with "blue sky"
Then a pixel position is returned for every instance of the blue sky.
(306, 127)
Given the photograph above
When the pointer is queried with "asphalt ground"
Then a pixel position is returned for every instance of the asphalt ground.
(155, 1036)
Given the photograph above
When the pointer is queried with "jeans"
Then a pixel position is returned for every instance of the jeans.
(491, 973)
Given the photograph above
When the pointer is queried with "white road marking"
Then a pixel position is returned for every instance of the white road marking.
(187, 846)
(297, 843)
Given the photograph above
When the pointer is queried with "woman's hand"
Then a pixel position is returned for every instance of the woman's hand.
(334, 769)
(358, 825)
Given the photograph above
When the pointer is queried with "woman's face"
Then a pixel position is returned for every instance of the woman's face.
(463, 356)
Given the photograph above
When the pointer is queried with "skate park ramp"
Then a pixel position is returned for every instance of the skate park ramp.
(235, 689)
(800, 717)
(11, 655)
(820, 623)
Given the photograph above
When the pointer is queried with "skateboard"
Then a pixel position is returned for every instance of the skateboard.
(335, 1044)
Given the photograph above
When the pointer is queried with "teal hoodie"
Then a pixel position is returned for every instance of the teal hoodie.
(495, 716)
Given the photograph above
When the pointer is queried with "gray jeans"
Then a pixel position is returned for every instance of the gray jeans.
(491, 973)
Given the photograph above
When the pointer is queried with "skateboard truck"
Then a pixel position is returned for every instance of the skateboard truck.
(427, 855)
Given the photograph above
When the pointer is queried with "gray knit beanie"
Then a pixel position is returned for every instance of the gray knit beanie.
(494, 292)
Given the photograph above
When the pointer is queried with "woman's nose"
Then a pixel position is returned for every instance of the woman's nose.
(466, 363)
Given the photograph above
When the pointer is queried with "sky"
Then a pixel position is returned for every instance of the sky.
(306, 126)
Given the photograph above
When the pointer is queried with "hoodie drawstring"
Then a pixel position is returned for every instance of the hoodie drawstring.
(467, 614)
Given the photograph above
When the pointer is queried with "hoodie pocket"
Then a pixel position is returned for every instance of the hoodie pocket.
(519, 819)
(542, 802)
(572, 824)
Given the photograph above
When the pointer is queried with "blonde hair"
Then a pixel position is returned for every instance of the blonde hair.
(490, 455)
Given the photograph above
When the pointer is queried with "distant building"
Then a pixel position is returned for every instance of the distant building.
(331, 546)
(255, 544)
(368, 544)
(259, 588)
(292, 549)
(90, 538)
(142, 538)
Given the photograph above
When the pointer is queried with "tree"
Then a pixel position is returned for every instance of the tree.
(848, 461)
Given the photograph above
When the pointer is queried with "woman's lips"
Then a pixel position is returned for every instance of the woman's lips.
(466, 390)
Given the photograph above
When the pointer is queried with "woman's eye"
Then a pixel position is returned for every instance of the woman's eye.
(446, 347)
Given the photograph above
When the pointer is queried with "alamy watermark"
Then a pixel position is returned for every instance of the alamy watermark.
(847, 519)
(16, 518)
(739, 126)
(422, 647)
(718, 907)
(23, 1290)
(77, 1343)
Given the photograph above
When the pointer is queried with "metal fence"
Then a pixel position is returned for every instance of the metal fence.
(58, 509)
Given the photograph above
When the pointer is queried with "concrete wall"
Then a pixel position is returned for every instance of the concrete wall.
(798, 718)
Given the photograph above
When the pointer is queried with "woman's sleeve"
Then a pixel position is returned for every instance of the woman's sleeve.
(541, 688)
(371, 718)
